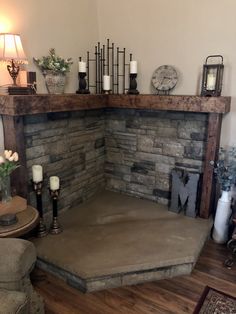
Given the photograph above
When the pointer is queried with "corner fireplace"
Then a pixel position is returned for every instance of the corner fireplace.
(127, 143)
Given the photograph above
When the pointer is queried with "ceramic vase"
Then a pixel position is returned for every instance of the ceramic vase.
(5, 184)
(221, 222)
(55, 82)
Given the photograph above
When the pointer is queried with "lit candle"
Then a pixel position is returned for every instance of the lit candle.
(54, 183)
(133, 67)
(37, 172)
(106, 82)
(211, 81)
(82, 66)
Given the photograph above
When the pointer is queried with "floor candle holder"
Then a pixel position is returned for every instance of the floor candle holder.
(55, 227)
(132, 84)
(82, 84)
(37, 187)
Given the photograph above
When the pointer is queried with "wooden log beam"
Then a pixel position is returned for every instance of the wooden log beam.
(212, 148)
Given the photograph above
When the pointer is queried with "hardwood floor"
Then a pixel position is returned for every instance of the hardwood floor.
(178, 295)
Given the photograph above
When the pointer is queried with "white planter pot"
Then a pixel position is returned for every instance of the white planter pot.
(223, 213)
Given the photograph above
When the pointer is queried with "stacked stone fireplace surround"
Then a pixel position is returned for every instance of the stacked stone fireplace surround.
(129, 151)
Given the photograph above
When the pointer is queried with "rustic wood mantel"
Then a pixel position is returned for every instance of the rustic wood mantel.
(14, 107)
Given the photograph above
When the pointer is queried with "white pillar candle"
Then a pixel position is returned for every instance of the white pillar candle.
(54, 183)
(211, 81)
(133, 67)
(37, 172)
(82, 66)
(106, 82)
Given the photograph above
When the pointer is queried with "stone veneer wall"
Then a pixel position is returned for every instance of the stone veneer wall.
(143, 146)
(71, 146)
(127, 150)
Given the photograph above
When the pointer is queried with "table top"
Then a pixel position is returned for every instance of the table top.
(27, 220)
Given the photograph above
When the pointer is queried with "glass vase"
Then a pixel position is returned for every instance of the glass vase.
(5, 185)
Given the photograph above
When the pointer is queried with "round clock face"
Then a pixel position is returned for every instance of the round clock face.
(164, 78)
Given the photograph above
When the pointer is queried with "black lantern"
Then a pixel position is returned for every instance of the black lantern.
(212, 77)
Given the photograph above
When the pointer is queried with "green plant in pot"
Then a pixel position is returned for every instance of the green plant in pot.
(54, 69)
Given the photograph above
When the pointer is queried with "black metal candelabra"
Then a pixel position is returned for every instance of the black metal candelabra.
(37, 187)
(55, 227)
(108, 60)
(133, 84)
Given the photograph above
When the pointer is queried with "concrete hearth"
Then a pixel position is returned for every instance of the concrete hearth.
(114, 240)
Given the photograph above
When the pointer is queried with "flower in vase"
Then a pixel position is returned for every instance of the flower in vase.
(53, 63)
(8, 163)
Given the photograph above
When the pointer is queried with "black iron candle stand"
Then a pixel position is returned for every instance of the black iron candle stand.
(132, 84)
(82, 84)
(55, 226)
(42, 231)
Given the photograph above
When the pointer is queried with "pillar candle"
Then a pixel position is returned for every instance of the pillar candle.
(54, 183)
(106, 82)
(133, 67)
(82, 66)
(211, 81)
(37, 172)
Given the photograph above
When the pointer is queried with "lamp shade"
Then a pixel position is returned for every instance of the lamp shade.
(11, 48)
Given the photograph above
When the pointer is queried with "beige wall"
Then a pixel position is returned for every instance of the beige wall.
(68, 26)
(177, 32)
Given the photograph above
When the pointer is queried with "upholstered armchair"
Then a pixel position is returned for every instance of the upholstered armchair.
(17, 259)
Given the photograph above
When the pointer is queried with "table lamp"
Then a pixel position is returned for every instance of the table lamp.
(11, 51)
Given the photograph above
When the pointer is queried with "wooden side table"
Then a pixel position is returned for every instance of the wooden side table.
(27, 220)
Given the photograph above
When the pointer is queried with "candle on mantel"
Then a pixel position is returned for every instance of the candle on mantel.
(211, 81)
(54, 183)
(133, 67)
(106, 82)
(82, 66)
(37, 172)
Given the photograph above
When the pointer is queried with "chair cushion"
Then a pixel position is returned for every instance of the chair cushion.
(13, 302)
(16, 259)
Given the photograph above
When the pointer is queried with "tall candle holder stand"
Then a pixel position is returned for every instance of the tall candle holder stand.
(37, 187)
(82, 84)
(133, 84)
(55, 227)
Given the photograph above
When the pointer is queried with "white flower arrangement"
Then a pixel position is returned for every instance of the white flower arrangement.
(8, 163)
(53, 63)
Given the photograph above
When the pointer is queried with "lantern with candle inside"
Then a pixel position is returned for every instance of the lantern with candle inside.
(54, 189)
(212, 76)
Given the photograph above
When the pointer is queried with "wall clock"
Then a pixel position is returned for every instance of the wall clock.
(164, 79)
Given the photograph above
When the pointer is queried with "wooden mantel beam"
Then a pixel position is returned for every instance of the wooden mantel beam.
(16, 105)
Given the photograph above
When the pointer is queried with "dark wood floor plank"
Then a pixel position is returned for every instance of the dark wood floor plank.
(178, 295)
